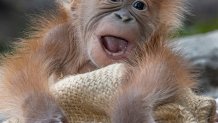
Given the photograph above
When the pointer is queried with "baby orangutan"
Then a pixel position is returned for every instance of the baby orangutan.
(82, 35)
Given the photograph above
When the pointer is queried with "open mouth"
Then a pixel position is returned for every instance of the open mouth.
(115, 47)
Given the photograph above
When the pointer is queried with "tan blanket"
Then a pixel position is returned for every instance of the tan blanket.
(84, 97)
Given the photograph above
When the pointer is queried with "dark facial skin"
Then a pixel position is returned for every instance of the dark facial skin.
(112, 28)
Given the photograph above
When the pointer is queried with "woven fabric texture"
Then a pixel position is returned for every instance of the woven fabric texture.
(85, 96)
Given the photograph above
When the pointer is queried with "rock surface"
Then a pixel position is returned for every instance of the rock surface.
(202, 52)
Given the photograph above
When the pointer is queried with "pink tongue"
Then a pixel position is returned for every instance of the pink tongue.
(114, 44)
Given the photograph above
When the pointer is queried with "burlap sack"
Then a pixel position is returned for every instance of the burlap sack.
(84, 98)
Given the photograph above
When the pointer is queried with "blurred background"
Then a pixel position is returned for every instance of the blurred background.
(198, 38)
(15, 17)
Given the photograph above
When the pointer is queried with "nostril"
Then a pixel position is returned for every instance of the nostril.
(123, 17)
(126, 19)
(118, 16)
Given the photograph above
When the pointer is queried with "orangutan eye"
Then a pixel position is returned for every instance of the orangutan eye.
(139, 5)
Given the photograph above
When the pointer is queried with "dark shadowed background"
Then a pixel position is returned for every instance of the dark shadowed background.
(15, 17)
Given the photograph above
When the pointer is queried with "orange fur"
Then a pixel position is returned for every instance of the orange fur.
(56, 47)
(25, 73)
